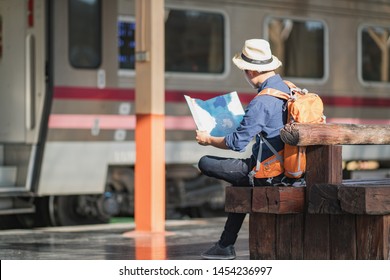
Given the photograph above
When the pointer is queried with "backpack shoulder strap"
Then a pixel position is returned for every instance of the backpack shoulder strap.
(290, 84)
(275, 93)
(294, 89)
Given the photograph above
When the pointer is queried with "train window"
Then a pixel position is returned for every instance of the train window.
(375, 53)
(85, 33)
(300, 45)
(194, 41)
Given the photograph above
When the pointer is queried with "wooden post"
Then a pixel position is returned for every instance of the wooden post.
(324, 164)
(150, 129)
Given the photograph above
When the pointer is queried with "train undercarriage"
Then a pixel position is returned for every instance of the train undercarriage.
(188, 195)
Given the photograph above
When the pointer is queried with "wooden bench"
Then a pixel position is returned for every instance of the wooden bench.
(329, 218)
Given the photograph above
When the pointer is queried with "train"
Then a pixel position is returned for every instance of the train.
(67, 94)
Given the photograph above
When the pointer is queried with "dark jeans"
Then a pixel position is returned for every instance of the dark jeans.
(235, 172)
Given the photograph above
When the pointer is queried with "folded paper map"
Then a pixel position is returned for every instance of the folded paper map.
(219, 116)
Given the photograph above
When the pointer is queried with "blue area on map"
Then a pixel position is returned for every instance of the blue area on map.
(221, 101)
(226, 121)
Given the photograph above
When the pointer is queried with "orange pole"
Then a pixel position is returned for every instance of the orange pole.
(149, 212)
(150, 173)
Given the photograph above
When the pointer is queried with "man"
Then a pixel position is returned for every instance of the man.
(264, 115)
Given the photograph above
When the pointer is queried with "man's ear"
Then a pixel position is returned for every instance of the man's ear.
(253, 73)
(250, 73)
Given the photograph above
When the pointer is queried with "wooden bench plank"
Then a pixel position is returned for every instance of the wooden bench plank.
(361, 199)
(299, 134)
(273, 200)
(238, 199)
(278, 199)
(353, 199)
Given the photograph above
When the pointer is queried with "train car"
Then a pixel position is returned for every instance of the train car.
(67, 79)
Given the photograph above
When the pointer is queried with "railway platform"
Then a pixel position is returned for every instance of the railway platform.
(183, 240)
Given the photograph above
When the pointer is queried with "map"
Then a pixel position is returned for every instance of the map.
(219, 116)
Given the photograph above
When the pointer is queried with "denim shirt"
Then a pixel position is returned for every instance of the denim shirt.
(265, 114)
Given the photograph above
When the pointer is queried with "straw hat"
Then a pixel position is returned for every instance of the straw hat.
(256, 55)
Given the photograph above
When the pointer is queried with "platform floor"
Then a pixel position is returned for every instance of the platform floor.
(184, 240)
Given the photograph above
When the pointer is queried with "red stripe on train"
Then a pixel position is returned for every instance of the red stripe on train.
(94, 93)
(178, 96)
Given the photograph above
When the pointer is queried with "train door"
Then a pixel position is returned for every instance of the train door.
(22, 98)
(82, 139)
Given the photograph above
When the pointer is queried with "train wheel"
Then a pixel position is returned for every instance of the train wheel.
(9, 222)
(76, 210)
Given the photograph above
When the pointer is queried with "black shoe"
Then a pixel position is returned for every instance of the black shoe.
(218, 253)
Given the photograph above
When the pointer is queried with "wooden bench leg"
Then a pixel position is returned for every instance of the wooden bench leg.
(289, 243)
(319, 236)
(262, 236)
(347, 237)
(274, 236)
(373, 237)
(342, 237)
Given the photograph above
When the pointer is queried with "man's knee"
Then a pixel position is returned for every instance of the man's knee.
(203, 164)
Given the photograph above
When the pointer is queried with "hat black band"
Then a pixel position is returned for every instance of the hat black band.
(254, 61)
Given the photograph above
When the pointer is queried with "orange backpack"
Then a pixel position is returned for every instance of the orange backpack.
(302, 107)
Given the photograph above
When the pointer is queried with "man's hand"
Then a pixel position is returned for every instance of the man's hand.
(203, 138)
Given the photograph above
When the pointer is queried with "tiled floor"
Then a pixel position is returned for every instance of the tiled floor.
(184, 240)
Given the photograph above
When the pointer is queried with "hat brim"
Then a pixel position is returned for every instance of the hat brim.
(244, 65)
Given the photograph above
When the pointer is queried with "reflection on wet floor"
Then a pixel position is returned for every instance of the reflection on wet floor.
(149, 246)
(183, 239)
